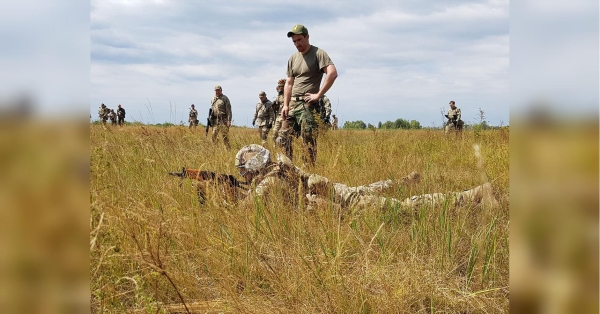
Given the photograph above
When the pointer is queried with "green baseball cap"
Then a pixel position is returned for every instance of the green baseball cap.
(297, 30)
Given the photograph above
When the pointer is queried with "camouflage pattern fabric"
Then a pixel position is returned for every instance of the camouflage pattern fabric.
(277, 105)
(301, 122)
(264, 113)
(193, 118)
(113, 117)
(283, 174)
(121, 116)
(454, 122)
(221, 116)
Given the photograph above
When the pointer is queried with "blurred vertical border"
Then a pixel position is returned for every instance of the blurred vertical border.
(554, 156)
(44, 156)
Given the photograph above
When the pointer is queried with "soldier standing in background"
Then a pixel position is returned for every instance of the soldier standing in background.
(335, 122)
(120, 115)
(454, 121)
(264, 116)
(277, 105)
(325, 110)
(193, 119)
(221, 115)
(103, 114)
(302, 92)
(113, 117)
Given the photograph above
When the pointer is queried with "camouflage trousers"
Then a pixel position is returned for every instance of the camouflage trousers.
(300, 122)
(277, 127)
(362, 197)
(263, 131)
(193, 123)
(224, 130)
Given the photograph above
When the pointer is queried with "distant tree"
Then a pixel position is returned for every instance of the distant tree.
(379, 125)
(402, 124)
(356, 125)
(415, 125)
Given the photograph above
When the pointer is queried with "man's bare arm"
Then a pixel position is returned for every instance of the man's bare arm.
(331, 75)
(287, 96)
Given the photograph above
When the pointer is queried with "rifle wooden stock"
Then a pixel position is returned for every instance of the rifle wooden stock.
(202, 175)
(229, 186)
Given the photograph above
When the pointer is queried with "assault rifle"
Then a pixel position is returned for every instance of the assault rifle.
(202, 175)
(208, 123)
(228, 182)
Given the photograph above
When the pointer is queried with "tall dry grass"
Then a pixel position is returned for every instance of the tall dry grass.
(154, 248)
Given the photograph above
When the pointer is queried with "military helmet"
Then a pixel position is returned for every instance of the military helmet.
(252, 157)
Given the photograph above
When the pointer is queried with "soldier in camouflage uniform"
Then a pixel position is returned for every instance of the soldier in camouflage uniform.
(302, 92)
(334, 124)
(193, 117)
(325, 110)
(454, 122)
(112, 116)
(264, 116)
(277, 105)
(103, 113)
(266, 177)
(221, 116)
(120, 115)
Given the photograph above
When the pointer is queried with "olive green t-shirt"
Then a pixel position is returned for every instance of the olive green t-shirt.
(306, 70)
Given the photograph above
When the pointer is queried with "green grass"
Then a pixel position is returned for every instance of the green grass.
(155, 245)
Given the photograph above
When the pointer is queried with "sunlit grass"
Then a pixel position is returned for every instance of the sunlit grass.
(154, 244)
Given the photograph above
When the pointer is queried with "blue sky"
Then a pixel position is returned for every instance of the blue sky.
(394, 59)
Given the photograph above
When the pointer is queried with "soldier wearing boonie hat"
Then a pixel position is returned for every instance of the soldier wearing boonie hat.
(221, 115)
(302, 92)
(264, 116)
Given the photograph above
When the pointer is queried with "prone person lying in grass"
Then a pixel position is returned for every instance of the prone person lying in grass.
(265, 177)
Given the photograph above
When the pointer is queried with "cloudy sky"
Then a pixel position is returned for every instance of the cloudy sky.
(395, 59)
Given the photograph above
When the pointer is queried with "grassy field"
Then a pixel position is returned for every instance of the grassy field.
(154, 248)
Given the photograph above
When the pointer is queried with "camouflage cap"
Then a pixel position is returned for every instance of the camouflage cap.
(281, 82)
(218, 87)
(297, 30)
(262, 93)
(252, 157)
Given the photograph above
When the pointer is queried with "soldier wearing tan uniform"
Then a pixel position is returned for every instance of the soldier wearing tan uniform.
(263, 116)
(334, 124)
(302, 92)
(193, 117)
(221, 115)
(454, 122)
(277, 105)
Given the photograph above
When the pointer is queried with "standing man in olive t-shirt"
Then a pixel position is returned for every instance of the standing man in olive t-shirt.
(302, 92)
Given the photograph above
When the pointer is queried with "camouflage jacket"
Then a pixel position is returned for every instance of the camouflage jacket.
(221, 107)
(264, 114)
(193, 114)
(278, 104)
(454, 114)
